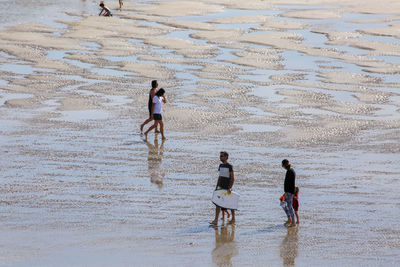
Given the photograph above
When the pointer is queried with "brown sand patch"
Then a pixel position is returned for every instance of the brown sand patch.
(313, 14)
(179, 8)
(258, 58)
(309, 99)
(148, 70)
(183, 47)
(348, 78)
(219, 36)
(281, 25)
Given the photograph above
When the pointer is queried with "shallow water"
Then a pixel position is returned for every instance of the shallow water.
(79, 186)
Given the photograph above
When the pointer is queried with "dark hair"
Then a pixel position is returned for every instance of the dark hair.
(285, 163)
(224, 153)
(160, 92)
(101, 4)
(154, 83)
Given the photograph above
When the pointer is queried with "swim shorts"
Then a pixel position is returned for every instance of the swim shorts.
(157, 117)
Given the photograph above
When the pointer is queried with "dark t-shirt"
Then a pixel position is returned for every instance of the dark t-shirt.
(150, 103)
(224, 175)
(290, 180)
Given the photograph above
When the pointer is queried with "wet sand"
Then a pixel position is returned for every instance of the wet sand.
(312, 81)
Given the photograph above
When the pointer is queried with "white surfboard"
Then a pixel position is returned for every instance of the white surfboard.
(223, 199)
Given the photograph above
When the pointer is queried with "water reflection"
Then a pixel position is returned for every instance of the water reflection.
(225, 245)
(289, 247)
(154, 160)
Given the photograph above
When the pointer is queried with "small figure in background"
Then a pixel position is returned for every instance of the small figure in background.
(105, 9)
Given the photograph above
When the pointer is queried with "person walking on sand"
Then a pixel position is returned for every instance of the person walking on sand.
(158, 101)
(106, 10)
(289, 188)
(225, 181)
(152, 93)
(121, 3)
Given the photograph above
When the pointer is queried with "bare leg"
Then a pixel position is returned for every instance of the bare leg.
(233, 217)
(144, 123)
(151, 128)
(297, 217)
(162, 129)
(217, 211)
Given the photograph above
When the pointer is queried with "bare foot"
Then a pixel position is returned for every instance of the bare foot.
(164, 138)
(214, 223)
(145, 136)
(141, 128)
(292, 225)
(157, 131)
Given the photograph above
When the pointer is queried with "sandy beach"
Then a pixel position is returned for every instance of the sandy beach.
(314, 81)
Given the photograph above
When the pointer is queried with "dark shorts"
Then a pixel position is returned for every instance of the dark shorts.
(157, 117)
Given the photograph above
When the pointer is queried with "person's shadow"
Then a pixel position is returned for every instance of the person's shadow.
(154, 160)
(289, 247)
(225, 245)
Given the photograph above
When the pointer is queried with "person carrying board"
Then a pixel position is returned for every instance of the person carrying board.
(225, 181)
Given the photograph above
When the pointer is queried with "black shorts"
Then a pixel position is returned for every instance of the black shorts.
(157, 117)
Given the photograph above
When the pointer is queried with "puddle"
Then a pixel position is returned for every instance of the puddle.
(61, 55)
(120, 59)
(268, 93)
(3, 82)
(5, 96)
(109, 71)
(92, 45)
(19, 68)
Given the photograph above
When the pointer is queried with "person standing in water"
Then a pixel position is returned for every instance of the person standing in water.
(225, 181)
(152, 93)
(289, 188)
(158, 101)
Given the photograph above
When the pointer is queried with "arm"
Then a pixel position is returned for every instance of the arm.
(101, 11)
(232, 176)
(164, 99)
(216, 187)
(152, 109)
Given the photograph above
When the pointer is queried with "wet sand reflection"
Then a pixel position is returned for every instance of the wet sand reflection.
(154, 160)
(289, 247)
(225, 245)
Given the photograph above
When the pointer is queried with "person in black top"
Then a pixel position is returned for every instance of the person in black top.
(289, 187)
(225, 181)
(152, 93)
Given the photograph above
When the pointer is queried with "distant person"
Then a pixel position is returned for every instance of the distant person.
(121, 3)
(295, 203)
(152, 93)
(289, 188)
(105, 9)
(225, 181)
(158, 101)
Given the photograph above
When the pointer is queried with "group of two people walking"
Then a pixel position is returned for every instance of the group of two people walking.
(156, 100)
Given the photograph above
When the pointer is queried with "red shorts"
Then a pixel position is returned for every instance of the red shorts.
(295, 204)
